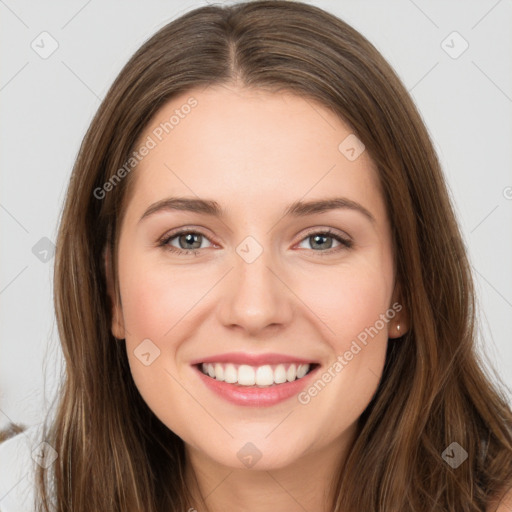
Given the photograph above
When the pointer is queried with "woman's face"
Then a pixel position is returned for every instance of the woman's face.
(265, 292)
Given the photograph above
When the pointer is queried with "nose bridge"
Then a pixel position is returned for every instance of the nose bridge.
(254, 296)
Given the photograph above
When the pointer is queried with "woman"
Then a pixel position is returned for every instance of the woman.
(258, 369)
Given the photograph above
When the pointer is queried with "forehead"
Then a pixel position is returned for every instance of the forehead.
(240, 146)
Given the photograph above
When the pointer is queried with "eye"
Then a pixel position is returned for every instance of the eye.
(191, 242)
(320, 240)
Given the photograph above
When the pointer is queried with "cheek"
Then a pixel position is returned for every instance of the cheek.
(150, 308)
(155, 297)
(348, 300)
(355, 309)
(154, 304)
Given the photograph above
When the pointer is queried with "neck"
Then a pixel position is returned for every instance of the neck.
(303, 485)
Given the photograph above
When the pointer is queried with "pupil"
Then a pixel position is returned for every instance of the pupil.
(189, 238)
(317, 237)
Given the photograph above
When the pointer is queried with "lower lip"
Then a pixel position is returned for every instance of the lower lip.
(254, 396)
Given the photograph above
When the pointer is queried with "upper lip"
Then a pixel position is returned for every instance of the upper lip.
(252, 359)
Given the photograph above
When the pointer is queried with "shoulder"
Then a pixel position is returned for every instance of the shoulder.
(18, 456)
(503, 503)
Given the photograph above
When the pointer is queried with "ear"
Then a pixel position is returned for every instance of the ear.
(117, 326)
(399, 325)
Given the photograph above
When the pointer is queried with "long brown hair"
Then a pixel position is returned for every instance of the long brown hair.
(114, 453)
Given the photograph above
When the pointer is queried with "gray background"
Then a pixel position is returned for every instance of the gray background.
(47, 104)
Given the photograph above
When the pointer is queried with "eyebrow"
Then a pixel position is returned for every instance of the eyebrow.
(296, 209)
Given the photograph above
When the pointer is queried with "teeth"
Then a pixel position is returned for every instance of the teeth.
(264, 376)
(301, 371)
(291, 374)
(219, 372)
(245, 375)
(280, 374)
(230, 374)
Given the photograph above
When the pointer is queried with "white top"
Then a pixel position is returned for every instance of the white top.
(18, 457)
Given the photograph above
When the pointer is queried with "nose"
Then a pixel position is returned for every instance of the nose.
(255, 296)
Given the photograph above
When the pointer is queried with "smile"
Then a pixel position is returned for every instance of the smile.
(255, 381)
(261, 376)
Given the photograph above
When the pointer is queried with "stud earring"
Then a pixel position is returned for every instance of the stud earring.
(398, 328)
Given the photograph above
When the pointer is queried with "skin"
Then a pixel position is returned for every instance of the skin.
(255, 153)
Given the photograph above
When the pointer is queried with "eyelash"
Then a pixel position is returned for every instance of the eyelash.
(163, 242)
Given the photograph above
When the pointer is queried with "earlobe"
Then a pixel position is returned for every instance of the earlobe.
(397, 330)
(400, 323)
(117, 326)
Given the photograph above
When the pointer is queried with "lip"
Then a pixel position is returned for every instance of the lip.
(255, 396)
(252, 359)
